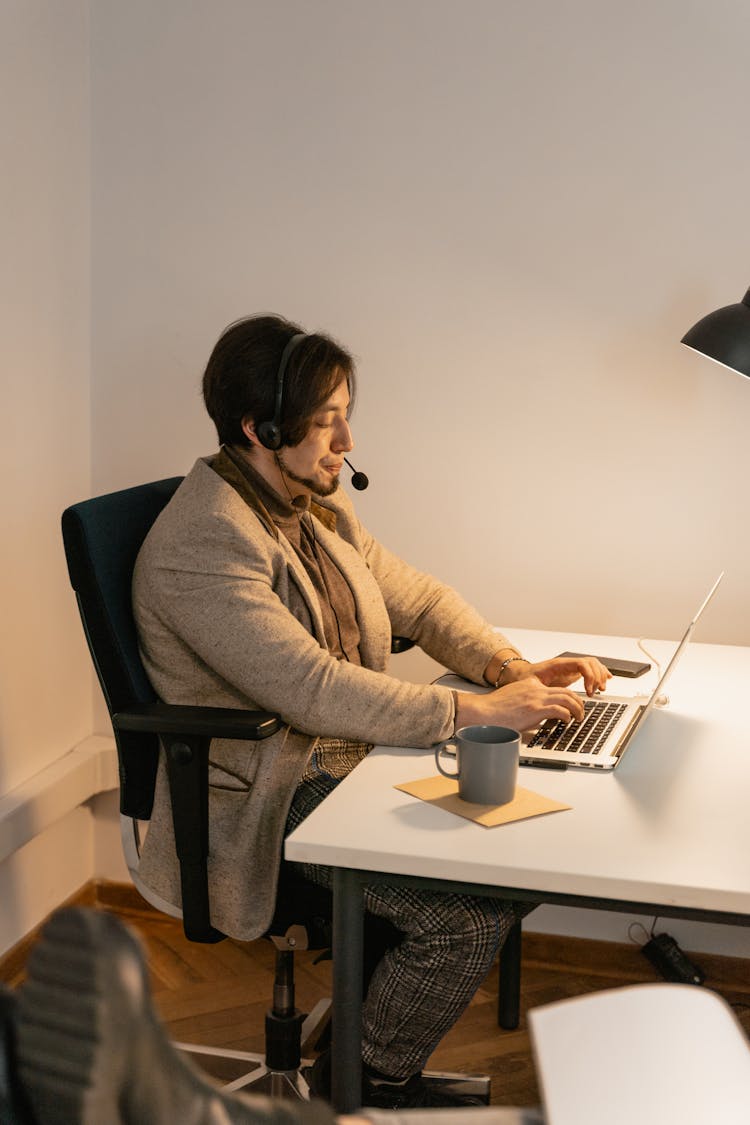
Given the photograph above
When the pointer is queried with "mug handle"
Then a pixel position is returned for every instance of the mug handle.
(438, 751)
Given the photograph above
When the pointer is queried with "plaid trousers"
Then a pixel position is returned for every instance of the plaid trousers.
(421, 987)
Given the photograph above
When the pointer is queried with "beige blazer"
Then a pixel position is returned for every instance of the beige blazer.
(227, 616)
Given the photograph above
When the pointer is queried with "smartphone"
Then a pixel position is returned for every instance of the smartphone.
(631, 669)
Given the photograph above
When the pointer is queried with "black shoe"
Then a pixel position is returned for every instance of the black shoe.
(416, 1093)
(378, 1093)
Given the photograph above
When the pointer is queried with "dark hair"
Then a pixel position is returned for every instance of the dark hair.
(240, 377)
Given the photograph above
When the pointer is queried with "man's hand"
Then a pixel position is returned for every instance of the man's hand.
(562, 671)
(521, 705)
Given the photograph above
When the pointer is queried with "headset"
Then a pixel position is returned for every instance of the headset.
(269, 433)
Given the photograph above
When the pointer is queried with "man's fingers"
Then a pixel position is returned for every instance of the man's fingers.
(577, 704)
(595, 676)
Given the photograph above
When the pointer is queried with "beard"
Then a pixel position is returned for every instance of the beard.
(314, 485)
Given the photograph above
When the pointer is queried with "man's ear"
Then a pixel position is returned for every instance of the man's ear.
(248, 429)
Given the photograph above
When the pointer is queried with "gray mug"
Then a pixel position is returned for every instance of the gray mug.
(487, 763)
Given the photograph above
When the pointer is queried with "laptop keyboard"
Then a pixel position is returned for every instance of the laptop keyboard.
(586, 737)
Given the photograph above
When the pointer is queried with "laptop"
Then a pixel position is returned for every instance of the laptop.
(609, 722)
(600, 740)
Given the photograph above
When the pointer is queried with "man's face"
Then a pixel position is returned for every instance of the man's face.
(318, 459)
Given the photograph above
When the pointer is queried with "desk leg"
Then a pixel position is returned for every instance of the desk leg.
(509, 992)
(348, 952)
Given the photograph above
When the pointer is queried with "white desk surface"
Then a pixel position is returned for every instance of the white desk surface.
(670, 825)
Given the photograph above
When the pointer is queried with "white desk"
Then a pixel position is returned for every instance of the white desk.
(667, 832)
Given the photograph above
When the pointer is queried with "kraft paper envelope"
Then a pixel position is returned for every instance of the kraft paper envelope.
(443, 792)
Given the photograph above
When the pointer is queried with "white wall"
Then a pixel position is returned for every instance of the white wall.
(45, 687)
(511, 212)
(45, 464)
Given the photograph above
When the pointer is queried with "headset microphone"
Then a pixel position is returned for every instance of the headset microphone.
(359, 480)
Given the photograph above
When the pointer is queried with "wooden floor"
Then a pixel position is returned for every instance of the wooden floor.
(218, 995)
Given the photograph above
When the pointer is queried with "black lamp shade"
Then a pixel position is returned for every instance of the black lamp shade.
(724, 336)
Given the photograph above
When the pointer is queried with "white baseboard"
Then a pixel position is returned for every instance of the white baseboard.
(50, 795)
(606, 925)
(51, 841)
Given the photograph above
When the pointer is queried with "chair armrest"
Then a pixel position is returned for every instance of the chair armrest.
(186, 734)
(401, 644)
(206, 722)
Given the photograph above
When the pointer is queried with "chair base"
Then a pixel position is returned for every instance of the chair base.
(288, 1084)
(248, 1070)
(291, 1085)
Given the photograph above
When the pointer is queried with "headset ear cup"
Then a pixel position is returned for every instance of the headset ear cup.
(269, 435)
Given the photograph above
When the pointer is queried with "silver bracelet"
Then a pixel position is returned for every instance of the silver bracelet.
(505, 664)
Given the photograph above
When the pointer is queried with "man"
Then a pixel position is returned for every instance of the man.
(258, 587)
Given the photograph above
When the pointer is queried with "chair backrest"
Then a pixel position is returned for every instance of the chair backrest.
(102, 538)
